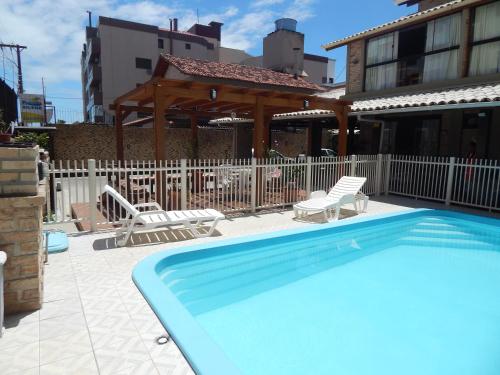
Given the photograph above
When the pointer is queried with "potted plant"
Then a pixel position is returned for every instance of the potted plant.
(5, 136)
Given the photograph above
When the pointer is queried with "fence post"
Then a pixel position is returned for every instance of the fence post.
(388, 174)
(308, 176)
(449, 184)
(92, 195)
(184, 184)
(253, 187)
(353, 165)
(378, 175)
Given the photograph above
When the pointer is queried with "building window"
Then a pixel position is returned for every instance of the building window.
(330, 80)
(160, 43)
(443, 40)
(485, 55)
(188, 45)
(324, 80)
(381, 66)
(421, 53)
(141, 63)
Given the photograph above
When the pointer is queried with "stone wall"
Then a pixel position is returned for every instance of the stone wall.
(215, 144)
(81, 142)
(355, 66)
(289, 144)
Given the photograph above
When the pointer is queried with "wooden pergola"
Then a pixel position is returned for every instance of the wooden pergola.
(212, 97)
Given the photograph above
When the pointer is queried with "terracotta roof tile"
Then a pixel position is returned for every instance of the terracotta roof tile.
(466, 94)
(245, 73)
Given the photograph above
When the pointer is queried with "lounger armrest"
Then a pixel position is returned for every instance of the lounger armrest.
(318, 194)
(154, 205)
(347, 198)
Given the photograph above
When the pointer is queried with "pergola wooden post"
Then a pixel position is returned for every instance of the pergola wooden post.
(119, 133)
(342, 117)
(194, 135)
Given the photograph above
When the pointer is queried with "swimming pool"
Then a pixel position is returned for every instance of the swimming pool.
(410, 293)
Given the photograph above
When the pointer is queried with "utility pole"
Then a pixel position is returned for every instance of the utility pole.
(18, 49)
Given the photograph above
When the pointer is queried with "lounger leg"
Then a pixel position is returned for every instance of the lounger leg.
(127, 236)
(325, 213)
(337, 212)
(212, 228)
(355, 204)
(365, 205)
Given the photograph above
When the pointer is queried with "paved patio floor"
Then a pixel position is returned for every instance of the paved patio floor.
(94, 320)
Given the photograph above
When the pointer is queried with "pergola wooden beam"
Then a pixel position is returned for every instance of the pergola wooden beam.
(175, 96)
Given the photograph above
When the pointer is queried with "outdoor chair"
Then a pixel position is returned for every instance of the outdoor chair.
(157, 217)
(346, 190)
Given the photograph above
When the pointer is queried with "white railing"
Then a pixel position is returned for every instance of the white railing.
(247, 185)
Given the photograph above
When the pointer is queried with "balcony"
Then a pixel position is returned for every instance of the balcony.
(94, 76)
(93, 50)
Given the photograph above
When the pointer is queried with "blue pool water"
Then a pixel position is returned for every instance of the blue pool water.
(415, 293)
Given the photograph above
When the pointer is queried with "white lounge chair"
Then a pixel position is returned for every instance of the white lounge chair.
(157, 217)
(346, 190)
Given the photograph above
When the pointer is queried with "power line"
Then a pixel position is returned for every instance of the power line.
(341, 71)
(62, 97)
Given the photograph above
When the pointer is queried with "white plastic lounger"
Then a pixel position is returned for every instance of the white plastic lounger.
(157, 217)
(346, 190)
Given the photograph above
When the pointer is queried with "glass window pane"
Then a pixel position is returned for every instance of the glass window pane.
(486, 25)
(441, 66)
(381, 49)
(485, 59)
(381, 77)
(444, 32)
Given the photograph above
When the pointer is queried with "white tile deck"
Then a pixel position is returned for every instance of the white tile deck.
(94, 320)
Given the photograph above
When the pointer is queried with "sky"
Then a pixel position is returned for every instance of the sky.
(54, 31)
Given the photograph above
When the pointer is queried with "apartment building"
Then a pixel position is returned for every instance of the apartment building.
(119, 55)
(428, 83)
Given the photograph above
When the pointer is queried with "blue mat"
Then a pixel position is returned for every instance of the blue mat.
(57, 241)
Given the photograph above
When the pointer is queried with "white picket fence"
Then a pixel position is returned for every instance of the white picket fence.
(245, 185)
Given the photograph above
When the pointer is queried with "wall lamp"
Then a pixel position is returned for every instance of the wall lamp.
(213, 94)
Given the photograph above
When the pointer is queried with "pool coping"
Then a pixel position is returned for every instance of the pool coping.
(199, 349)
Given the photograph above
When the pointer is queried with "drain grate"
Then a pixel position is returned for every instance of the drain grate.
(163, 339)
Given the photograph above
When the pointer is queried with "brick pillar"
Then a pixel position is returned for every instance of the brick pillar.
(21, 207)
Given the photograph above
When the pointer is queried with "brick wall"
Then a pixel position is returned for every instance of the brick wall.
(18, 171)
(21, 229)
(21, 239)
(355, 66)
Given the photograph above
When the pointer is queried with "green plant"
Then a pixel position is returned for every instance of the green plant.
(4, 127)
(41, 139)
(50, 217)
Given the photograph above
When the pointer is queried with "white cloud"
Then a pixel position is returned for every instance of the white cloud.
(300, 10)
(266, 3)
(54, 32)
(247, 31)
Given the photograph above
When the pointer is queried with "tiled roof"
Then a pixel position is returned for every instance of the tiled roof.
(423, 14)
(334, 93)
(486, 93)
(467, 94)
(245, 73)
